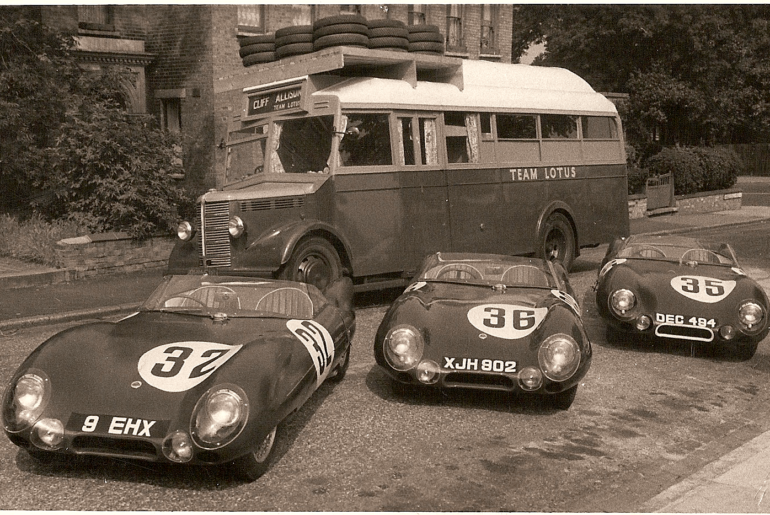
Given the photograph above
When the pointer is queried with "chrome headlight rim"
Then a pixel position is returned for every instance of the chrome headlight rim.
(399, 358)
(209, 433)
(185, 231)
(755, 322)
(622, 302)
(236, 227)
(546, 358)
(22, 414)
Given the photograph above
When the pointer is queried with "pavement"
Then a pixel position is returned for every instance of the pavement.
(734, 483)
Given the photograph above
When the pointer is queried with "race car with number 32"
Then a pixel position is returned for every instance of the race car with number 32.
(678, 287)
(204, 373)
(490, 322)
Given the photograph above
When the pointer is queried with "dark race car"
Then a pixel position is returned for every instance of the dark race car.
(491, 322)
(203, 374)
(677, 287)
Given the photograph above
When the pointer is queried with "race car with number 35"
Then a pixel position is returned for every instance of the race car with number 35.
(678, 287)
(204, 373)
(489, 322)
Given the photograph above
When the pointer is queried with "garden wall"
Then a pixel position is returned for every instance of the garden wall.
(705, 202)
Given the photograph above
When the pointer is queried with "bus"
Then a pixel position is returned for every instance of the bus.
(360, 162)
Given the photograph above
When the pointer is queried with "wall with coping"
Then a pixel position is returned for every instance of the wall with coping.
(110, 253)
(704, 202)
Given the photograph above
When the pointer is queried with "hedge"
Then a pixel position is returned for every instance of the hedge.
(696, 169)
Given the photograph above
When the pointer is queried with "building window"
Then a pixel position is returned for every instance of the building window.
(417, 14)
(251, 19)
(350, 9)
(454, 28)
(171, 114)
(489, 16)
(95, 17)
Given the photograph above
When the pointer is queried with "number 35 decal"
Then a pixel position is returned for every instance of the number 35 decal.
(180, 366)
(318, 342)
(702, 289)
(506, 321)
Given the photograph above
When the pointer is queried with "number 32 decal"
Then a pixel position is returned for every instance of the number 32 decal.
(180, 366)
(506, 321)
(318, 342)
(702, 289)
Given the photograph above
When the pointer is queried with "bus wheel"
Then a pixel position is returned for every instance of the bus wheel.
(558, 240)
(314, 261)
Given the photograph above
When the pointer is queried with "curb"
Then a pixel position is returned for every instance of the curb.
(27, 279)
(69, 316)
(677, 230)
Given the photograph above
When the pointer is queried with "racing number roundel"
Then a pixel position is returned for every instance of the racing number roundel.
(180, 366)
(507, 321)
(318, 342)
(702, 289)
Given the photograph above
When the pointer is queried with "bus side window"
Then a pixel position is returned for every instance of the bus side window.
(462, 140)
(428, 141)
(599, 127)
(366, 141)
(485, 120)
(406, 152)
(558, 126)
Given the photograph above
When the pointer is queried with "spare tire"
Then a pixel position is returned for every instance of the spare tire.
(376, 24)
(424, 37)
(253, 40)
(427, 47)
(293, 38)
(341, 40)
(339, 19)
(256, 48)
(296, 29)
(293, 49)
(389, 32)
(380, 43)
(341, 28)
(259, 57)
(414, 29)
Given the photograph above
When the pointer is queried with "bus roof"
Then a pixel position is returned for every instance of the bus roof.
(487, 86)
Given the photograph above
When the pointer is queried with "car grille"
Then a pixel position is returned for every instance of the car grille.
(480, 381)
(138, 449)
(685, 332)
(215, 248)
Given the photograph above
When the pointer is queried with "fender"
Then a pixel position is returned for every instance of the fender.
(274, 247)
(557, 205)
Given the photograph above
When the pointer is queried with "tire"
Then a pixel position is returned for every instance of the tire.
(293, 49)
(256, 48)
(292, 39)
(339, 20)
(341, 28)
(293, 31)
(253, 40)
(563, 400)
(342, 368)
(389, 43)
(341, 40)
(389, 32)
(426, 37)
(431, 47)
(416, 29)
(378, 24)
(253, 465)
(314, 261)
(261, 57)
(557, 240)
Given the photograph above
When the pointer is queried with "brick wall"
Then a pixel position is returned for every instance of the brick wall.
(110, 253)
(706, 202)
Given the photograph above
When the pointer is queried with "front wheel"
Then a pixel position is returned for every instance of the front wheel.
(557, 241)
(563, 400)
(253, 465)
(314, 261)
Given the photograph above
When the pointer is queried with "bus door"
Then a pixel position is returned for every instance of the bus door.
(423, 188)
(474, 189)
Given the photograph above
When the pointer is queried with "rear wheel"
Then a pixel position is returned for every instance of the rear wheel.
(314, 261)
(558, 240)
(252, 466)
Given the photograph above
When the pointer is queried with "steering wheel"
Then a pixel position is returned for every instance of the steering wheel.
(187, 297)
(701, 256)
(459, 271)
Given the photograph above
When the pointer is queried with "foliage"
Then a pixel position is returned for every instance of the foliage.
(34, 239)
(637, 176)
(695, 73)
(697, 169)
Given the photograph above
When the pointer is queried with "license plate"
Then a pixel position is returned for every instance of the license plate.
(115, 425)
(664, 318)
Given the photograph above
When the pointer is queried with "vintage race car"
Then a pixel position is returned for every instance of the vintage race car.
(490, 322)
(203, 374)
(677, 287)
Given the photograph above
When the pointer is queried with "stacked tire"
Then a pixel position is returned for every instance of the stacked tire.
(257, 49)
(340, 30)
(425, 39)
(388, 35)
(295, 40)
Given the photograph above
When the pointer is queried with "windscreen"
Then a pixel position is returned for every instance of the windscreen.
(488, 273)
(302, 145)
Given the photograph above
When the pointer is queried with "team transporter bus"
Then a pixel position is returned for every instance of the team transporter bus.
(361, 162)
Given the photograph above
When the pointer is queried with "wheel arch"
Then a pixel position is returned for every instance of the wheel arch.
(321, 230)
(557, 206)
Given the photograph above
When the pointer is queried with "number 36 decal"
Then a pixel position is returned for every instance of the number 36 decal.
(702, 289)
(506, 321)
(179, 366)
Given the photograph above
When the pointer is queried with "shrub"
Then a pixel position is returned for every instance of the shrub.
(697, 169)
(34, 239)
(637, 176)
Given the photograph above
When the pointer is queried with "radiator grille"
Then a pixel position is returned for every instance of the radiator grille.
(685, 332)
(216, 238)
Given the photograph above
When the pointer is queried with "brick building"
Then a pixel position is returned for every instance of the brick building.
(183, 55)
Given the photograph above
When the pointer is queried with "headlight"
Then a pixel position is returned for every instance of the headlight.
(403, 347)
(750, 314)
(219, 416)
(622, 301)
(177, 447)
(428, 371)
(185, 231)
(48, 434)
(25, 401)
(559, 357)
(236, 227)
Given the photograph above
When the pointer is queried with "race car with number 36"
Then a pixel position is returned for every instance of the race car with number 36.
(490, 322)
(204, 373)
(678, 287)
